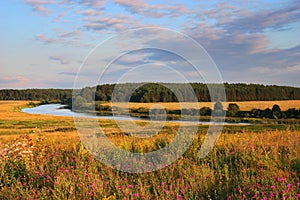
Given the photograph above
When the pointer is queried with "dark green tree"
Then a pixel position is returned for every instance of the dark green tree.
(276, 112)
(205, 111)
(218, 109)
(233, 110)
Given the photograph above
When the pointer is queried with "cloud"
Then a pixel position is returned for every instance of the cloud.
(267, 19)
(70, 38)
(113, 23)
(39, 5)
(61, 59)
(134, 58)
(68, 73)
(16, 82)
(233, 33)
(45, 39)
(142, 8)
(41, 9)
(74, 33)
(91, 12)
(60, 16)
(93, 3)
(231, 30)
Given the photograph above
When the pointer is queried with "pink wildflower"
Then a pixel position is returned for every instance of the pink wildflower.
(272, 187)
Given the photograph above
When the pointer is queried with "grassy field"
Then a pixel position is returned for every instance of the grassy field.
(41, 157)
(244, 105)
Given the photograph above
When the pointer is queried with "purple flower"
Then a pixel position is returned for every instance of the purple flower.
(135, 195)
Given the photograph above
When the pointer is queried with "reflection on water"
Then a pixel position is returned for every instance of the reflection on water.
(59, 110)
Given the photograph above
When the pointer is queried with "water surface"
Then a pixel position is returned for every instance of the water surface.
(59, 110)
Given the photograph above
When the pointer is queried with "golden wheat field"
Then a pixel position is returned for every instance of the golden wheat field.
(13, 122)
(42, 157)
(244, 105)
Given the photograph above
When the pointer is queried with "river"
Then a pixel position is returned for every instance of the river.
(59, 110)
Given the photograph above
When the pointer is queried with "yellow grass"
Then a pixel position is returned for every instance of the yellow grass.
(10, 114)
(244, 105)
(13, 123)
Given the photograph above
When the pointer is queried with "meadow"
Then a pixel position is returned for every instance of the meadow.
(244, 105)
(42, 158)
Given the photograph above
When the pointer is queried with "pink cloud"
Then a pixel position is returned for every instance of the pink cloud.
(115, 23)
(39, 5)
(156, 11)
(18, 82)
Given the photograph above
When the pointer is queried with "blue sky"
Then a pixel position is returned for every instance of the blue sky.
(44, 42)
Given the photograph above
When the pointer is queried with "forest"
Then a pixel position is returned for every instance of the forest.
(43, 95)
(156, 92)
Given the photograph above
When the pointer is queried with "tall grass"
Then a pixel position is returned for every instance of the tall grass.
(248, 162)
(262, 165)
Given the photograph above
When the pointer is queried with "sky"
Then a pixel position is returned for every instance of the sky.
(54, 43)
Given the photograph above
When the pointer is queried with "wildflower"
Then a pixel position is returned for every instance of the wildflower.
(135, 195)
(129, 186)
(281, 179)
(272, 187)
(298, 195)
(289, 186)
(271, 194)
(284, 191)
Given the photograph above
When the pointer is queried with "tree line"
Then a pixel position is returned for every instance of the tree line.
(232, 110)
(155, 92)
(43, 95)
